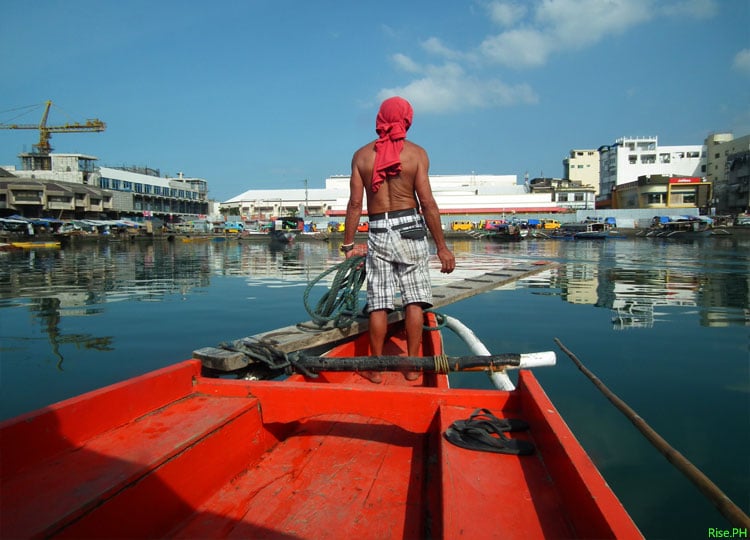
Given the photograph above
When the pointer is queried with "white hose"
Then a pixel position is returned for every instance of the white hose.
(499, 378)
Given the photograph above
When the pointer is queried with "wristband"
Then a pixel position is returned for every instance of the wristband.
(346, 248)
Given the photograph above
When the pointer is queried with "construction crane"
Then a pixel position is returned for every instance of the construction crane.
(45, 131)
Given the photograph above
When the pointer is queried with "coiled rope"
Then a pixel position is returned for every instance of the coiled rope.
(340, 304)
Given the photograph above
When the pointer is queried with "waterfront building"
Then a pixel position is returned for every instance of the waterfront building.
(728, 169)
(662, 192)
(144, 191)
(567, 193)
(583, 166)
(632, 157)
(72, 186)
(472, 195)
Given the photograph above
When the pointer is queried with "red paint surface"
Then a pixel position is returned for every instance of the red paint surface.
(172, 454)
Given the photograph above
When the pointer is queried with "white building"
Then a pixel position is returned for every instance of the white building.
(630, 157)
(466, 195)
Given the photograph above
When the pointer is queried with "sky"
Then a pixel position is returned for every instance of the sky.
(266, 94)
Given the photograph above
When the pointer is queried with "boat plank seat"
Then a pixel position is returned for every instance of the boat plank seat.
(489, 482)
(510, 513)
(94, 477)
(335, 476)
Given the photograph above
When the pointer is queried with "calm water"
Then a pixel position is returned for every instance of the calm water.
(665, 325)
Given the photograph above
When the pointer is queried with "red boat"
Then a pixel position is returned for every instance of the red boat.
(174, 454)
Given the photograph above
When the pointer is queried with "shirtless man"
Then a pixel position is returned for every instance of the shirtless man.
(394, 174)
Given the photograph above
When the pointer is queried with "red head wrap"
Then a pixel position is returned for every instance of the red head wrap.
(391, 125)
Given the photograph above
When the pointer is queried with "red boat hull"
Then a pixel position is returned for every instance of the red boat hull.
(175, 454)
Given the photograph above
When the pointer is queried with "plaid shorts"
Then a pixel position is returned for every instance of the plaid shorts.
(394, 260)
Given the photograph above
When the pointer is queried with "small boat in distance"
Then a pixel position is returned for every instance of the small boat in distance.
(684, 227)
(177, 454)
(286, 229)
(35, 245)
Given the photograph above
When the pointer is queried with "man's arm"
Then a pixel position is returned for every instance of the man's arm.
(354, 206)
(431, 214)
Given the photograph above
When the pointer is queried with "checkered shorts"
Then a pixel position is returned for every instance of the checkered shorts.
(393, 260)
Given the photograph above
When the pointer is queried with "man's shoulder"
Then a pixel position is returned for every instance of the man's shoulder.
(365, 149)
(412, 146)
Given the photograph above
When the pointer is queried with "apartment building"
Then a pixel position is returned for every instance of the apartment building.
(728, 169)
(582, 166)
(632, 157)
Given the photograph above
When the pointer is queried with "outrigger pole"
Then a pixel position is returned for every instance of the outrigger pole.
(720, 500)
(436, 364)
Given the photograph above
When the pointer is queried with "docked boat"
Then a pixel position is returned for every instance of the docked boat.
(684, 227)
(323, 454)
(589, 230)
(35, 245)
(504, 232)
(285, 230)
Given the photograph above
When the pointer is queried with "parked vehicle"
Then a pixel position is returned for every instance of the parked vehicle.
(549, 224)
(462, 226)
(234, 227)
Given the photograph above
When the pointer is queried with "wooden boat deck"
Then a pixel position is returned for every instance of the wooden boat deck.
(308, 335)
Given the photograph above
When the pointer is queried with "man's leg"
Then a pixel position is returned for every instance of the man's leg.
(378, 328)
(414, 324)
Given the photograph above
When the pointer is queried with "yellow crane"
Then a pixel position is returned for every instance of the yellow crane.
(45, 131)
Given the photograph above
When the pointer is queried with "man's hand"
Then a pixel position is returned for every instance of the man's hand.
(447, 261)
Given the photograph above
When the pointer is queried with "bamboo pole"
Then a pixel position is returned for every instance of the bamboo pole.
(723, 504)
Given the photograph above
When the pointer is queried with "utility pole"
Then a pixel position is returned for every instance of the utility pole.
(306, 200)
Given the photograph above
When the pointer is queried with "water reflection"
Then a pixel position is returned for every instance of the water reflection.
(633, 278)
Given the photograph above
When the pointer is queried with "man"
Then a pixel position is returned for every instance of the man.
(394, 174)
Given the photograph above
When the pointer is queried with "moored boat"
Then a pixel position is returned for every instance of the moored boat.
(177, 454)
(504, 232)
(684, 227)
(35, 245)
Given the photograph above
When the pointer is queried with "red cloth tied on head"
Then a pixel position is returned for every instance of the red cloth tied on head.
(391, 125)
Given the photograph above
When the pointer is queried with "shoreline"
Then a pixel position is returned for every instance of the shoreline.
(334, 237)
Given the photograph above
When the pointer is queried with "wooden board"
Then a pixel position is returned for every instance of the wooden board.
(309, 335)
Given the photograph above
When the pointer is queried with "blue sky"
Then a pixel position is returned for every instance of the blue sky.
(260, 94)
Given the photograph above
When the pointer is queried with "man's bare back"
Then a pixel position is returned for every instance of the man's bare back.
(397, 192)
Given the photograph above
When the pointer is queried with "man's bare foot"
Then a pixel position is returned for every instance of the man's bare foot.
(372, 376)
(411, 375)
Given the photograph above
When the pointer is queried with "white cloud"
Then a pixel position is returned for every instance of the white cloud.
(531, 32)
(435, 46)
(517, 48)
(448, 88)
(405, 63)
(562, 24)
(506, 13)
(574, 23)
(697, 9)
(741, 61)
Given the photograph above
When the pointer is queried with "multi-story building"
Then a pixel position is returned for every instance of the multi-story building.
(632, 157)
(142, 190)
(727, 168)
(472, 196)
(583, 166)
(72, 186)
(662, 192)
(567, 193)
